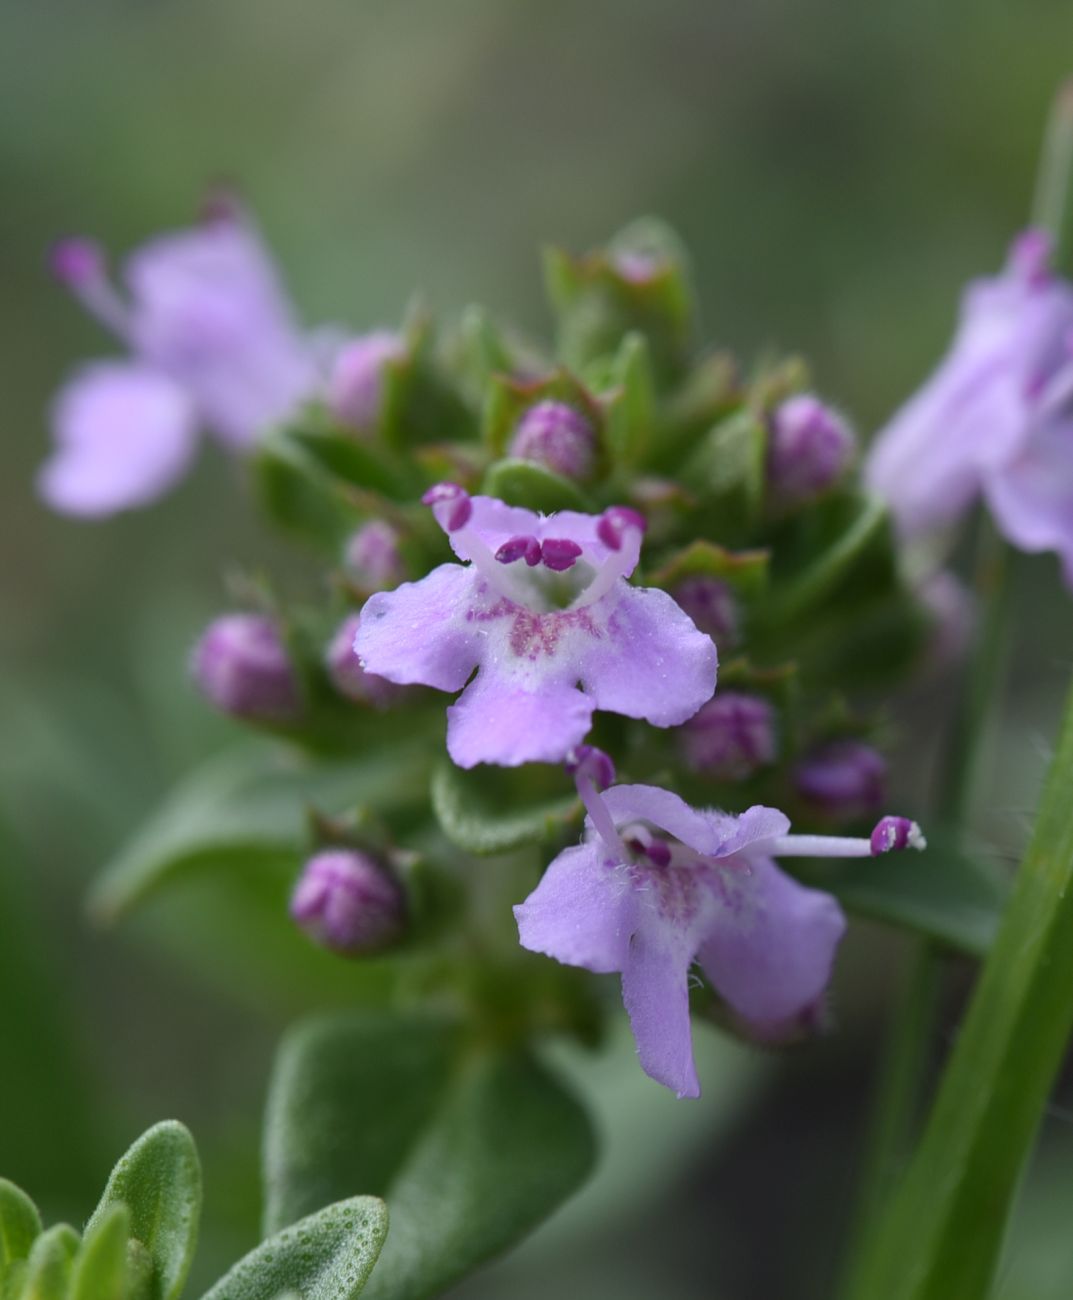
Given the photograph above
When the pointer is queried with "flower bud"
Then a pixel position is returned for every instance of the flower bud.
(355, 386)
(349, 903)
(372, 557)
(844, 779)
(558, 437)
(348, 676)
(809, 448)
(711, 605)
(242, 666)
(731, 737)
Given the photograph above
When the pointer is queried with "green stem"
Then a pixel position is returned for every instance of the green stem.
(1050, 205)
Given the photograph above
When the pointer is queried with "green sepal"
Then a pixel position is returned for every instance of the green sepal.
(361, 465)
(726, 471)
(943, 893)
(630, 405)
(101, 1268)
(296, 492)
(775, 380)
(493, 811)
(471, 1145)
(524, 483)
(746, 572)
(327, 1256)
(418, 403)
(481, 350)
(159, 1181)
(20, 1226)
(48, 1268)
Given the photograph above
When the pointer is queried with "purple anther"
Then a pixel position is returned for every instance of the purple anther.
(587, 763)
(74, 261)
(559, 553)
(895, 833)
(614, 523)
(519, 548)
(450, 504)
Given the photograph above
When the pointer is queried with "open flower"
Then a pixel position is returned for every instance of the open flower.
(1007, 374)
(213, 344)
(543, 611)
(657, 885)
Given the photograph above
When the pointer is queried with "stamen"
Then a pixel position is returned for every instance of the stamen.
(612, 530)
(453, 509)
(890, 835)
(588, 765)
(614, 524)
(450, 504)
(519, 548)
(559, 553)
(78, 264)
(895, 833)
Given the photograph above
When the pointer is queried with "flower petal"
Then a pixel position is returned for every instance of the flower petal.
(582, 913)
(1032, 497)
(751, 827)
(771, 944)
(653, 663)
(655, 990)
(124, 434)
(419, 633)
(651, 803)
(497, 720)
(495, 523)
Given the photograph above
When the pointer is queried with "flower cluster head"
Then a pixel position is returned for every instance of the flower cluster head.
(996, 417)
(657, 885)
(213, 344)
(541, 607)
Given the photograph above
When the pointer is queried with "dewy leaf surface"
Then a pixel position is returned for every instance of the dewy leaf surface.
(943, 1229)
(470, 1146)
(159, 1181)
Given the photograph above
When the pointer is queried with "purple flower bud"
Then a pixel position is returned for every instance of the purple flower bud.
(556, 436)
(372, 556)
(892, 834)
(242, 666)
(76, 260)
(517, 548)
(450, 504)
(587, 763)
(844, 779)
(711, 605)
(355, 387)
(348, 676)
(615, 522)
(810, 447)
(731, 737)
(348, 902)
(559, 553)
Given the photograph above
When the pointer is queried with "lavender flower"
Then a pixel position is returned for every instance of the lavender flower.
(809, 449)
(556, 436)
(348, 676)
(989, 417)
(242, 666)
(844, 779)
(657, 885)
(544, 611)
(355, 387)
(348, 902)
(372, 557)
(212, 344)
(731, 737)
(710, 603)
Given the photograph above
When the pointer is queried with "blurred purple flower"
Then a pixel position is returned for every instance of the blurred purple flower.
(242, 666)
(348, 676)
(544, 610)
(556, 436)
(731, 737)
(809, 449)
(356, 384)
(347, 902)
(657, 885)
(844, 779)
(994, 418)
(372, 556)
(212, 344)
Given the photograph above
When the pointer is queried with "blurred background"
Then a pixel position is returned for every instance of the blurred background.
(838, 170)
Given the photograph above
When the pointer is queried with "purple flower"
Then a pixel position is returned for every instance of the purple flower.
(348, 902)
(998, 389)
(356, 383)
(556, 436)
(731, 737)
(844, 779)
(242, 666)
(212, 344)
(710, 603)
(372, 557)
(657, 885)
(348, 676)
(809, 449)
(552, 637)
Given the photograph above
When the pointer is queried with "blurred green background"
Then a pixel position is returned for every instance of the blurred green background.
(839, 170)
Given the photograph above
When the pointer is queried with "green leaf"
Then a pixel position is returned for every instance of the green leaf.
(299, 494)
(327, 1256)
(48, 1269)
(248, 808)
(943, 1227)
(746, 572)
(100, 1271)
(345, 457)
(727, 470)
(942, 893)
(159, 1181)
(524, 483)
(470, 1146)
(20, 1224)
(631, 410)
(474, 818)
